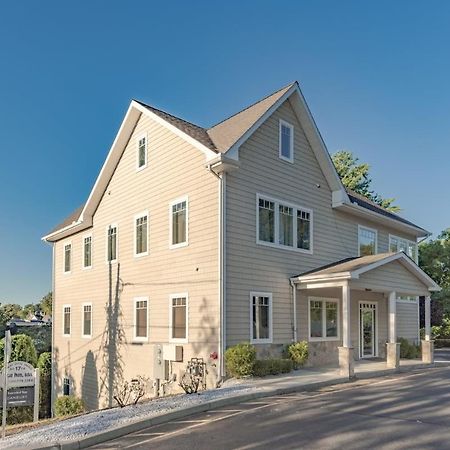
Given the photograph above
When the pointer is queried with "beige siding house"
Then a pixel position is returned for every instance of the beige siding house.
(195, 239)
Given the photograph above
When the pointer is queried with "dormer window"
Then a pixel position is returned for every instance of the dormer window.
(286, 141)
(142, 152)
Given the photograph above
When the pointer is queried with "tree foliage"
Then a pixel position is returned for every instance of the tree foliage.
(356, 176)
(22, 349)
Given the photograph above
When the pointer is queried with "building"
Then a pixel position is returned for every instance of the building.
(196, 239)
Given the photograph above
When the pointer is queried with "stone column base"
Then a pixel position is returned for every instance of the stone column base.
(346, 362)
(428, 352)
(392, 355)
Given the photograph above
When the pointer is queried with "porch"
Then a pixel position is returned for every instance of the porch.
(349, 311)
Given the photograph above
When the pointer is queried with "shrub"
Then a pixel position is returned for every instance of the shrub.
(45, 370)
(272, 366)
(407, 350)
(442, 343)
(68, 405)
(240, 360)
(297, 352)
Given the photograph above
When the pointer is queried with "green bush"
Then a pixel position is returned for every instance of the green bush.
(297, 352)
(22, 349)
(272, 366)
(45, 370)
(407, 350)
(442, 343)
(240, 360)
(68, 405)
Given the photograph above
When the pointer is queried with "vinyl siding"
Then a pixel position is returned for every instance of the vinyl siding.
(253, 267)
(174, 169)
(408, 320)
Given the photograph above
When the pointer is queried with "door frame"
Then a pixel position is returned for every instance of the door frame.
(375, 346)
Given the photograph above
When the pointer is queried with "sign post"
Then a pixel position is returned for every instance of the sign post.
(5, 379)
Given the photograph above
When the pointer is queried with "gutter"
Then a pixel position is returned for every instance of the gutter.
(294, 304)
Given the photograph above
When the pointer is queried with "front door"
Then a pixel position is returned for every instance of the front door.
(367, 330)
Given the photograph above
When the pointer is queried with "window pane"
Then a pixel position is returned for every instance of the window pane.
(67, 257)
(141, 318)
(142, 152)
(393, 245)
(87, 320)
(260, 319)
(66, 386)
(403, 246)
(66, 319)
(315, 315)
(412, 250)
(266, 221)
(141, 235)
(303, 230)
(367, 242)
(286, 142)
(332, 318)
(179, 223)
(286, 218)
(112, 244)
(87, 251)
(179, 318)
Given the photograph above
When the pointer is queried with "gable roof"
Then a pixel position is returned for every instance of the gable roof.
(352, 268)
(224, 138)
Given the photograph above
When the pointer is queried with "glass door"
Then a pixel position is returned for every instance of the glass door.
(367, 330)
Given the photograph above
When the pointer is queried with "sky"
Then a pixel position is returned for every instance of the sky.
(375, 76)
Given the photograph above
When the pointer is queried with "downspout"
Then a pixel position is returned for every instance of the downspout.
(222, 278)
(294, 305)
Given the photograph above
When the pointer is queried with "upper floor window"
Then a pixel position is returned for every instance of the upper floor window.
(286, 141)
(283, 225)
(367, 241)
(66, 320)
(67, 257)
(87, 252)
(397, 244)
(142, 152)
(179, 223)
(87, 319)
(179, 317)
(141, 235)
(140, 319)
(111, 250)
(261, 317)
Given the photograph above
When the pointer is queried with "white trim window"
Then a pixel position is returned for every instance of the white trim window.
(111, 243)
(286, 141)
(87, 320)
(141, 234)
(66, 386)
(397, 244)
(179, 222)
(67, 257)
(323, 319)
(87, 251)
(140, 319)
(367, 241)
(283, 225)
(141, 155)
(178, 318)
(67, 320)
(260, 317)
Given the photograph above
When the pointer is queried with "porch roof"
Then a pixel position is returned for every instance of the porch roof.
(353, 268)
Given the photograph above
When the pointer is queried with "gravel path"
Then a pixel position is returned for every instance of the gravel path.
(87, 424)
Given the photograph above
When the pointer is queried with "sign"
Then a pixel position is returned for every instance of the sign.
(20, 397)
(20, 374)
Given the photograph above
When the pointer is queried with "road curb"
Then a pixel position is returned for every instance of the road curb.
(141, 424)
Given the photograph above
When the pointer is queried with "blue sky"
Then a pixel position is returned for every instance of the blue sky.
(375, 75)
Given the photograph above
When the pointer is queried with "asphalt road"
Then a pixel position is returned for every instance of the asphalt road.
(397, 412)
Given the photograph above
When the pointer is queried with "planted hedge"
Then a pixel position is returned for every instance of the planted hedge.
(272, 366)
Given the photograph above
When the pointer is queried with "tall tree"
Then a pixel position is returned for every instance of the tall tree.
(356, 176)
(46, 304)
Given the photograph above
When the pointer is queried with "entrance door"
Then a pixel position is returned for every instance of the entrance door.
(367, 330)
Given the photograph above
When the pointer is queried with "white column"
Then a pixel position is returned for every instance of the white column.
(346, 339)
(392, 317)
(427, 318)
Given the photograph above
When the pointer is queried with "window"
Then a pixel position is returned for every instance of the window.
(323, 319)
(178, 318)
(112, 244)
(260, 317)
(67, 257)
(179, 223)
(140, 319)
(286, 141)
(66, 386)
(87, 252)
(141, 235)
(397, 244)
(367, 241)
(66, 320)
(282, 225)
(141, 152)
(87, 320)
